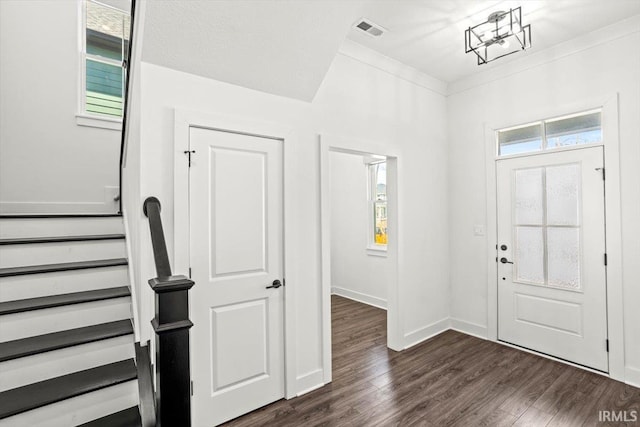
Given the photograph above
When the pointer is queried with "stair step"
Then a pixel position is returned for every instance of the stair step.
(30, 304)
(127, 418)
(57, 340)
(49, 268)
(61, 282)
(87, 215)
(16, 227)
(58, 239)
(43, 393)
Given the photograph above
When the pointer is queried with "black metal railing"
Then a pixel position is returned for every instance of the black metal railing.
(171, 325)
(125, 105)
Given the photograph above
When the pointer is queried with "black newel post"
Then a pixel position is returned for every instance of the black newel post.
(171, 324)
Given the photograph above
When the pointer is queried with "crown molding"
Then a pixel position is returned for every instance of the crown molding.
(402, 71)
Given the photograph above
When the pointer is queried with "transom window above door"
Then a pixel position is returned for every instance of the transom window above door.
(575, 129)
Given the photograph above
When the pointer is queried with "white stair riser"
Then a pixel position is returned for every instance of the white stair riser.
(80, 409)
(63, 282)
(27, 370)
(53, 253)
(11, 228)
(39, 322)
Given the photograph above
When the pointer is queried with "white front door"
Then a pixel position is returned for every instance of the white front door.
(236, 220)
(551, 255)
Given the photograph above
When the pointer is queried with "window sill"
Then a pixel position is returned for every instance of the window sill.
(99, 122)
(378, 250)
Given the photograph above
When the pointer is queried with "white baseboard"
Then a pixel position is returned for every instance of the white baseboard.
(469, 328)
(426, 332)
(57, 207)
(360, 297)
(632, 376)
(309, 381)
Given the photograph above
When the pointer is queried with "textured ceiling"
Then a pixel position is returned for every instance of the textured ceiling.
(283, 47)
(429, 34)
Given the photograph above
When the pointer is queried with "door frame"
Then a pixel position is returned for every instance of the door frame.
(613, 226)
(332, 143)
(183, 121)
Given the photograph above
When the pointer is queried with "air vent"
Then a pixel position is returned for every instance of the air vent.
(369, 28)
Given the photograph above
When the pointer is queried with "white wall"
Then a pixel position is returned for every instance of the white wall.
(356, 100)
(47, 162)
(354, 273)
(599, 65)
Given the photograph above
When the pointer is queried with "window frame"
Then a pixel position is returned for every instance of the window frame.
(83, 117)
(373, 248)
(542, 123)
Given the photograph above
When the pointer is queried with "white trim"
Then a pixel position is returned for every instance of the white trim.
(374, 59)
(632, 376)
(422, 334)
(7, 207)
(309, 382)
(469, 328)
(132, 281)
(378, 250)
(359, 297)
(329, 143)
(99, 122)
(183, 120)
(615, 299)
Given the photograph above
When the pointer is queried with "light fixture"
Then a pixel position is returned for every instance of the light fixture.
(489, 40)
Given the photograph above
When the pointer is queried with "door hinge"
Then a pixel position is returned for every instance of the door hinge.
(603, 173)
(191, 388)
(189, 153)
(189, 272)
(605, 259)
(607, 344)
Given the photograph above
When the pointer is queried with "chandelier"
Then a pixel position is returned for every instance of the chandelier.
(500, 35)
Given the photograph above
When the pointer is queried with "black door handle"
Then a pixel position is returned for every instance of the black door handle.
(275, 285)
(505, 261)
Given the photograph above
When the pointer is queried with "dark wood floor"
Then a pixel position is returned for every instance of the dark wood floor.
(450, 380)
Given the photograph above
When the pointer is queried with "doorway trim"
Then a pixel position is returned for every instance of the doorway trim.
(613, 220)
(332, 143)
(183, 121)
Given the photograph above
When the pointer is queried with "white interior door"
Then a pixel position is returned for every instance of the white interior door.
(552, 299)
(236, 249)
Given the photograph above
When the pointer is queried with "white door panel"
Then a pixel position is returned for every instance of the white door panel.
(552, 287)
(236, 252)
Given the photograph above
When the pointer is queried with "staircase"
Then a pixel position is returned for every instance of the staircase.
(66, 337)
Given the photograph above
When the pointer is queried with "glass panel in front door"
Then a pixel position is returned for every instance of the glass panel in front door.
(547, 226)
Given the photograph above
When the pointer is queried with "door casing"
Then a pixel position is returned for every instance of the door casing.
(185, 119)
(615, 303)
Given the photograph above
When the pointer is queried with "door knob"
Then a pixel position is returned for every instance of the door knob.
(275, 285)
(505, 261)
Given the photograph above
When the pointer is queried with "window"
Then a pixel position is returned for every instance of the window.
(582, 128)
(378, 205)
(105, 43)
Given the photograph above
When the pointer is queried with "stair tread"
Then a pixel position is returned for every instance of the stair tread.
(39, 344)
(28, 304)
(129, 417)
(50, 268)
(58, 239)
(32, 396)
(61, 215)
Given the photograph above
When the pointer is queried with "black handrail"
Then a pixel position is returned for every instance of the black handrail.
(171, 325)
(125, 106)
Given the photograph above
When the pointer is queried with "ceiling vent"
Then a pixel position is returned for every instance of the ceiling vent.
(369, 28)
